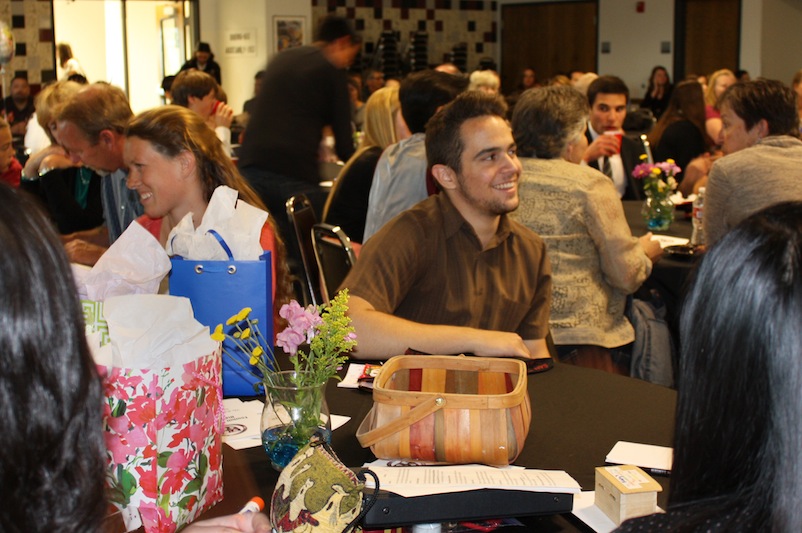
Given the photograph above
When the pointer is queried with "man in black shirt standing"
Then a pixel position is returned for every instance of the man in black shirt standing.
(304, 90)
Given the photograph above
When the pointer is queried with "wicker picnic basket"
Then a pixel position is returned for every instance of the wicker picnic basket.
(448, 409)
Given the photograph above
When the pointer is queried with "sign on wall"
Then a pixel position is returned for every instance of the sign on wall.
(240, 42)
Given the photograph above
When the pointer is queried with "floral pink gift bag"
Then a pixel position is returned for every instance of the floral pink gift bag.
(163, 430)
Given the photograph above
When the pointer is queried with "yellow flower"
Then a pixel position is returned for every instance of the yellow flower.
(643, 157)
(246, 333)
(656, 171)
(218, 333)
(239, 317)
(670, 161)
(255, 354)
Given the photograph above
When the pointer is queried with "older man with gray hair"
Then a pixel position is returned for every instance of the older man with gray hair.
(91, 128)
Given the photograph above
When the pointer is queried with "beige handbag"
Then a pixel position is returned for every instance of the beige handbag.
(449, 409)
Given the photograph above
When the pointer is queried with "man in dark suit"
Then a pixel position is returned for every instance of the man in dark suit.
(608, 97)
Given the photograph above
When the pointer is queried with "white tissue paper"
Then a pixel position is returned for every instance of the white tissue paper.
(238, 223)
(152, 331)
(135, 264)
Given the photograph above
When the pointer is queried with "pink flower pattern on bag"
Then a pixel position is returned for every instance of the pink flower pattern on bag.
(163, 431)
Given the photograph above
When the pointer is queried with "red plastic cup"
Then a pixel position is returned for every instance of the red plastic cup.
(619, 135)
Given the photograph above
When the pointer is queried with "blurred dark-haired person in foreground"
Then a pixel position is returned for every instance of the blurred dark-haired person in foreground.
(737, 439)
(51, 449)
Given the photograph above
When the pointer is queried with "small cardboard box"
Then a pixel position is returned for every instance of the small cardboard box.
(625, 491)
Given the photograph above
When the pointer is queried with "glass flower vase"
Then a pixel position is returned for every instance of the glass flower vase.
(291, 416)
(658, 212)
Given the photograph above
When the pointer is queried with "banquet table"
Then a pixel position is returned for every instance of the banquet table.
(669, 275)
(578, 415)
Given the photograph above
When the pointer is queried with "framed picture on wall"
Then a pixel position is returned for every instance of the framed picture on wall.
(288, 32)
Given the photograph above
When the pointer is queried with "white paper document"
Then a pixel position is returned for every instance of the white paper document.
(350, 381)
(668, 240)
(244, 419)
(658, 459)
(411, 481)
(585, 509)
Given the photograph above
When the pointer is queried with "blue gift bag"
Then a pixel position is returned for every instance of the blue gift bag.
(218, 290)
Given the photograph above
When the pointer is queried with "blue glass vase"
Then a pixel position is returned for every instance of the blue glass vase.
(658, 212)
(292, 414)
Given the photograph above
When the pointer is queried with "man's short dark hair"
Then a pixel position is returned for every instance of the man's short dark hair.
(191, 83)
(761, 99)
(444, 144)
(332, 28)
(607, 85)
(422, 93)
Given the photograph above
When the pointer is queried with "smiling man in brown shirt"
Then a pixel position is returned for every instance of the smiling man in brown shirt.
(453, 273)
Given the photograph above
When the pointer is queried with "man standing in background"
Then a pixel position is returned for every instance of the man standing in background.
(304, 89)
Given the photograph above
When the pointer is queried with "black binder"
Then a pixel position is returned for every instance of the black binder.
(393, 510)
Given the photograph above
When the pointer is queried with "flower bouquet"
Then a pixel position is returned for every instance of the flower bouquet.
(658, 184)
(295, 404)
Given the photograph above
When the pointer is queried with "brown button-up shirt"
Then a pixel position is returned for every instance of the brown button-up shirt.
(427, 265)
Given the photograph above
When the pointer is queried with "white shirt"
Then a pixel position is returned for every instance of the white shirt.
(616, 164)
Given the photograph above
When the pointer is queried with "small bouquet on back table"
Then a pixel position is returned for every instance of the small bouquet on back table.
(659, 183)
(295, 404)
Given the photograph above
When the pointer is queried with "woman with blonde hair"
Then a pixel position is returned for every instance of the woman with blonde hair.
(716, 85)
(175, 164)
(484, 80)
(70, 193)
(347, 204)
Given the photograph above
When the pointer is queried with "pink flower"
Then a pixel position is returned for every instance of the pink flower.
(301, 320)
(669, 168)
(290, 339)
(178, 461)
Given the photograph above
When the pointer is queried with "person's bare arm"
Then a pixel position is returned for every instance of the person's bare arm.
(98, 236)
(652, 248)
(603, 146)
(381, 335)
(32, 166)
(537, 348)
(83, 252)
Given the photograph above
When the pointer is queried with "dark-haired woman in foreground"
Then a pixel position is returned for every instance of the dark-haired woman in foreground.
(52, 464)
(737, 460)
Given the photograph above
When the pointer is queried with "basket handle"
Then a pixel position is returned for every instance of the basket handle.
(419, 412)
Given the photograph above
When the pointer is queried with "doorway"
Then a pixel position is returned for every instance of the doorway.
(708, 34)
(552, 38)
(130, 44)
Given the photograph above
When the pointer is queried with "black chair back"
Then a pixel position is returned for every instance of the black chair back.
(334, 255)
(302, 217)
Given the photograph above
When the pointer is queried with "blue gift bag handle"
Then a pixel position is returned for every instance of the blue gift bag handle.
(231, 269)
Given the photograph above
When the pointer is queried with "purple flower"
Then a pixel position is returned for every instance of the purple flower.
(643, 170)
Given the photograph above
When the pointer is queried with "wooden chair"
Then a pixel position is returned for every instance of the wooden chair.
(302, 218)
(334, 255)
